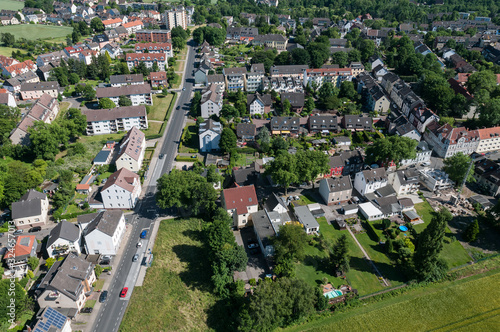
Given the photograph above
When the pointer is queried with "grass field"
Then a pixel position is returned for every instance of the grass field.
(160, 107)
(36, 31)
(11, 4)
(471, 304)
(153, 128)
(7, 51)
(177, 294)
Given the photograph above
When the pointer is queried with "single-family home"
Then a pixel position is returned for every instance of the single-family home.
(132, 149)
(102, 231)
(17, 256)
(336, 191)
(240, 203)
(31, 210)
(368, 181)
(107, 121)
(259, 104)
(246, 131)
(306, 218)
(17, 69)
(211, 102)
(68, 284)
(296, 99)
(265, 230)
(121, 190)
(63, 239)
(404, 182)
(113, 50)
(209, 135)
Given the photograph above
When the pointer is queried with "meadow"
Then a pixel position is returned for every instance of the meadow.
(36, 31)
(11, 4)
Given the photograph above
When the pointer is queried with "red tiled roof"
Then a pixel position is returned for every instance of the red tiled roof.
(487, 133)
(21, 250)
(132, 24)
(240, 198)
(329, 70)
(122, 178)
(112, 21)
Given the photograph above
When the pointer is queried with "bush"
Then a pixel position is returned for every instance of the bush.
(30, 274)
(98, 270)
(472, 231)
(252, 282)
(33, 263)
(372, 232)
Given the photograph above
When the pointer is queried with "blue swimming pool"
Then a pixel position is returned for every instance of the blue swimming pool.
(403, 228)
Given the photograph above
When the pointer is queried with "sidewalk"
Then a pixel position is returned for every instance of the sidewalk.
(84, 322)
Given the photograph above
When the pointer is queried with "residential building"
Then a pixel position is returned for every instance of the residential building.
(357, 123)
(323, 124)
(240, 203)
(52, 320)
(489, 139)
(356, 68)
(336, 190)
(281, 125)
(265, 231)
(244, 176)
(5, 61)
(408, 130)
(487, 175)
(121, 190)
(31, 210)
(63, 239)
(112, 23)
(421, 118)
(346, 163)
(447, 141)
(158, 79)
(368, 181)
(323, 75)
(17, 256)
(14, 84)
(404, 182)
(435, 179)
(209, 135)
(138, 94)
(149, 59)
(129, 79)
(157, 36)
(133, 26)
(103, 231)
(259, 104)
(285, 71)
(306, 218)
(17, 69)
(113, 50)
(296, 99)
(157, 47)
(176, 18)
(423, 155)
(217, 79)
(132, 149)
(342, 142)
(211, 102)
(278, 42)
(68, 284)
(107, 121)
(241, 34)
(246, 131)
(235, 78)
(36, 90)
(6, 98)
(254, 77)
(377, 100)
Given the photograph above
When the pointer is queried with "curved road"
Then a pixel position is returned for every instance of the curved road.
(125, 274)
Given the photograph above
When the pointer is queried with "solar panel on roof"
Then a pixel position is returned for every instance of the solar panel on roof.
(50, 318)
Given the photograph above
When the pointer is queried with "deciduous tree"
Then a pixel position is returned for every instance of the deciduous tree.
(456, 167)
(227, 140)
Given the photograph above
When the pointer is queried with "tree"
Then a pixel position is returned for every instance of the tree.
(106, 103)
(290, 243)
(46, 139)
(89, 92)
(49, 262)
(348, 91)
(480, 80)
(283, 59)
(12, 292)
(286, 107)
(227, 140)
(472, 231)
(283, 170)
(264, 136)
(97, 25)
(310, 164)
(490, 113)
(427, 264)
(300, 56)
(73, 78)
(436, 91)
(33, 263)
(124, 101)
(178, 43)
(228, 111)
(8, 39)
(279, 144)
(340, 58)
(339, 254)
(456, 167)
(394, 148)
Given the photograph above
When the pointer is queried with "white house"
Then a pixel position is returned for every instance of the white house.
(435, 179)
(306, 218)
(370, 211)
(368, 181)
(211, 102)
(102, 231)
(68, 284)
(240, 203)
(209, 135)
(6, 98)
(107, 121)
(138, 94)
(423, 155)
(121, 190)
(21, 249)
(31, 210)
(63, 239)
(132, 149)
(404, 182)
(259, 104)
(489, 139)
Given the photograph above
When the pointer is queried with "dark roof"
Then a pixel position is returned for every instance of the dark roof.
(115, 113)
(246, 129)
(285, 123)
(29, 205)
(296, 99)
(386, 191)
(288, 69)
(339, 184)
(263, 227)
(376, 174)
(64, 230)
(128, 79)
(104, 221)
(51, 320)
(323, 122)
(125, 90)
(273, 201)
(266, 99)
(102, 156)
(40, 86)
(215, 78)
(244, 176)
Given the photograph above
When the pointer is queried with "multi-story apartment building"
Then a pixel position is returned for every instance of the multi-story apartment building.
(447, 141)
(155, 48)
(278, 42)
(138, 94)
(129, 79)
(254, 77)
(489, 139)
(149, 59)
(107, 121)
(157, 36)
(322, 75)
(235, 78)
(176, 18)
(37, 90)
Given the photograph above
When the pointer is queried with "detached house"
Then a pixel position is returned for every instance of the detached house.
(246, 131)
(259, 104)
(68, 284)
(132, 149)
(306, 218)
(211, 102)
(209, 135)
(16, 257)
(102, 231)
(346, 163)
(336, 190)
(121, 190)
(240, 203)
(63, 239)
(369, 181)
(31, 210)
(404, 182)
(296, 99)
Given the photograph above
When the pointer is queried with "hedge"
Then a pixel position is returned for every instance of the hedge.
(372, 232)
(71, 215)
(182, 158)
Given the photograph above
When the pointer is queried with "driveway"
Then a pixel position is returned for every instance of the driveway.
(257, 265)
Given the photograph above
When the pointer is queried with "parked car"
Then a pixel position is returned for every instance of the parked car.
(183, 89)
(103, 296)
(143, 234)
(252, 245)
(19, 231)
(254, 251)
(139, 244)
(35, 229)
(161, 156)
(135, 258)
(86, 310)
(124, 291)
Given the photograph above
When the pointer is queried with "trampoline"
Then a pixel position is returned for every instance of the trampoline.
(403, 228)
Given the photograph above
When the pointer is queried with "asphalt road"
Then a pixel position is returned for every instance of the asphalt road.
(125, 274)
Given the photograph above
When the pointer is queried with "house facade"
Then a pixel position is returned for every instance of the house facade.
(447, 141)
(209, 135)
(149, 59)
(121, 190)
(132, 149)
(306, 218)
(31, 210)
(107, 121)
(336, 190)
(211, 102)
(259, 104)
(138, 94)
(489, 140)
(240, 203)
(36, 90)
(404, 182)
(368, 181)
(102, 231)
(63, 239)
(17, 256)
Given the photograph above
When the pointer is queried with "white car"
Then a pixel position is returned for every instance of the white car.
(139, 244)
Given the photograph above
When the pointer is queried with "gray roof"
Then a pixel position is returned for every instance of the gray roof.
(216, 78)
(411, 214)
(127, 79)
(125, 90)
(235, 71)
(246, 129)
(273, 201)
(64, 230)
(376, 174)
(244, 176)
(288, 69)
(339, 184)
(40, 86)
(386, 191)
(210, 125)
(305, 217)
(296, 99)
(102, 156)
(29, 205)
(263, 227)
(104, 221)
(115, 113)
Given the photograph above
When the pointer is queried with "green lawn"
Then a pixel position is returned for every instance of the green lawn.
(177, 293)
(425, 212)
(90, 304)
(36, 31)
(193, 143)
(153, 128)
(313, 269)
(160, 106)
(304, 200)
(99, 284)
(11, 4)
(7, 51)
(471, 304)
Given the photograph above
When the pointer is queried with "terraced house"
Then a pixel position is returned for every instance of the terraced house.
(138, 94)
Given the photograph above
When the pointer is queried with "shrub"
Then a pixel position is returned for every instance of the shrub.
(372, 232)
(98, 270)
(33, 263)
(30, 274)
(472, 231)
(252, 282)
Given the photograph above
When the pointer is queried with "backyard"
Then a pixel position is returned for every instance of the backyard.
(7, 51)
(177, 292)
(37, 31)
(191, 144)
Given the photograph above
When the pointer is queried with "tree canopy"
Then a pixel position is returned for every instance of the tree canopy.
(456, 167)
(394, 148)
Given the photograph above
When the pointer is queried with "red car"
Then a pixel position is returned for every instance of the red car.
(124, 291)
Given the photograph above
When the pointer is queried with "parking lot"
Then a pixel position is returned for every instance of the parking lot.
(257, 266)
